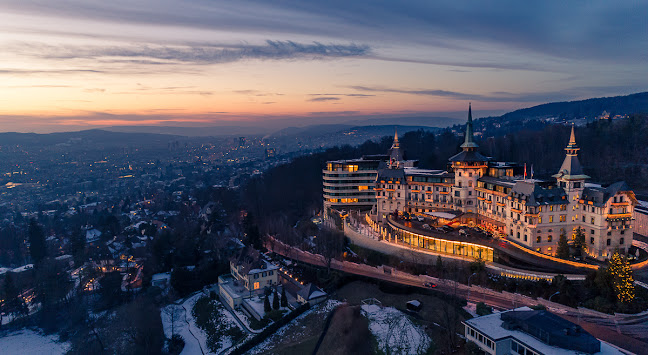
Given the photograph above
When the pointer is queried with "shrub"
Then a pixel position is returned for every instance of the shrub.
(176, 344)
(275, 300)
(483, 309)
(284, 300)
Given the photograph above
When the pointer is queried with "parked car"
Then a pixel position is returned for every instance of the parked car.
(430, 285)
(420, 219)
(427, 226)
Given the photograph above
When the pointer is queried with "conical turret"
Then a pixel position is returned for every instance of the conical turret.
(395, 153)
(571, 168)
(396, 144)
(469, 140)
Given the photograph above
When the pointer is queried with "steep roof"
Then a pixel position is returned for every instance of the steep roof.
(248, 259)
(468, 156)
(395, 153)
(599, 196)
(469, 140)
(469, 147)
(310, 291)
(535, 195)
(571, 168)
(391, 174)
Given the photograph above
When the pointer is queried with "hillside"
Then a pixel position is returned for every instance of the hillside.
(89, 137)
(569, 110)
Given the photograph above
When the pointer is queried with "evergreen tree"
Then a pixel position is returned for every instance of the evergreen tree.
(266, 304)
(622, 280)
(284, 300)
(37, 246)
(579, 240)
(439, 263)
(11, 294)
(563, 248)
(275, 300)
(77, 247)
(252, 232)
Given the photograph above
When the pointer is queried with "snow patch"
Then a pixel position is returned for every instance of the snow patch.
(394, 331)
(195, 339)
(30, 342)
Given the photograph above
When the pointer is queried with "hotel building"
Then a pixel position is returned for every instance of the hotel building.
(497, 195)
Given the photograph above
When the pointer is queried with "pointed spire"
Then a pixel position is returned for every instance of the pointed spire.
(572, 138)
(396, 144)
(469, 141)
(572, 147)
(571, 167)
(395, 154)
(470, 112)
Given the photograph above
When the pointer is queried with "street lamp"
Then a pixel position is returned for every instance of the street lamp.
(553, 295)
(470, 277)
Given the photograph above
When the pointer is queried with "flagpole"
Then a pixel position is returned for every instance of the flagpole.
(524, 171)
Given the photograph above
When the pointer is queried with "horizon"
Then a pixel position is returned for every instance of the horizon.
(82, 65)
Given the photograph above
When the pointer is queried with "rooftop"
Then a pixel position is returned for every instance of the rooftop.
(495, 327)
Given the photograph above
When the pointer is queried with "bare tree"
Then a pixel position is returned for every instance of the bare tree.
(173, 312)
(329, 244)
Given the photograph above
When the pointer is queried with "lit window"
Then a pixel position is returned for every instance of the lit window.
(256, 286)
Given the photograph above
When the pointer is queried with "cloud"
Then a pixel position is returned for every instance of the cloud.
(323, 98)
(200, 54)
(347, 95)
(38, 86)
(427, 92)
(556, 29)
(503, 96)
(14, 71)
(256, 93)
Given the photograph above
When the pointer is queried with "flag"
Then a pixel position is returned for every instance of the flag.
(524, 171)
(532, 171)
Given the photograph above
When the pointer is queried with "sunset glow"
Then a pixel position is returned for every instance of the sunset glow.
(75, 65)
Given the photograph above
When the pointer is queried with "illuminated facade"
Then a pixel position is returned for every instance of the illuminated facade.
(349, 184)
(498, 196)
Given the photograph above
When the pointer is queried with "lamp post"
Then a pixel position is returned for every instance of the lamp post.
(553, 295)
(470, 277)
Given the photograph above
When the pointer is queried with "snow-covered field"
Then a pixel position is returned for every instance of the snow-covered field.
(195, 339)
(394, 331)
(29, 342)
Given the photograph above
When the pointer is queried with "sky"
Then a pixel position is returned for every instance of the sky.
(79, 64)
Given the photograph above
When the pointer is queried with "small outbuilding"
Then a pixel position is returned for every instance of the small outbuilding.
(414, 305)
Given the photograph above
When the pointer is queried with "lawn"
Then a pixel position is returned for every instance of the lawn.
(439, 316)
(300, 335)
